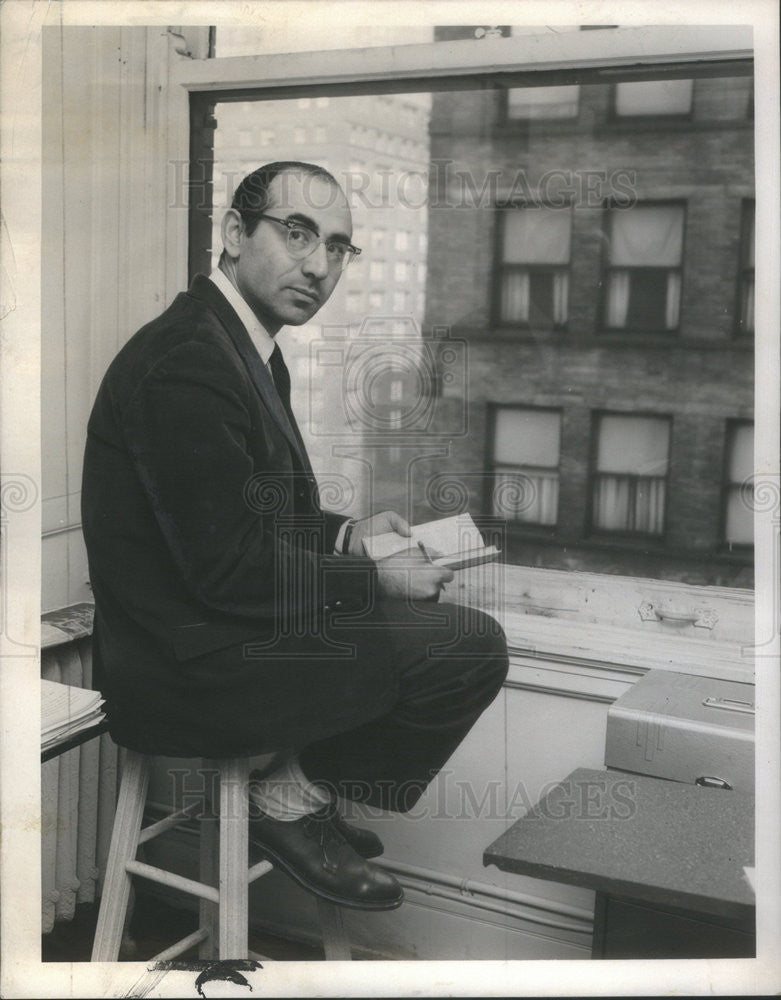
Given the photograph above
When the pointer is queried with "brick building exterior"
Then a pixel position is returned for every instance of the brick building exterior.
(609, 376)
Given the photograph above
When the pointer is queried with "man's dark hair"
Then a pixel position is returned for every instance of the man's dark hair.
(251, 196)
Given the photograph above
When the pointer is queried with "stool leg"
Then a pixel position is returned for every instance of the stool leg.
(234, 848)
(209, 875)
(124, 844)
(335, 942)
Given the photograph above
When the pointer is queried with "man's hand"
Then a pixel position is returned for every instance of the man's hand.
(388, 520)
(409, 574)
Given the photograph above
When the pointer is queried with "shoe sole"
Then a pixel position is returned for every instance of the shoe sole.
(354, 904)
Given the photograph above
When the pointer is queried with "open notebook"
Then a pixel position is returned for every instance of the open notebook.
(454, 542)
(66, 710)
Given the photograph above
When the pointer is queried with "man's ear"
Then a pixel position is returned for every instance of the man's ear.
(232, 231)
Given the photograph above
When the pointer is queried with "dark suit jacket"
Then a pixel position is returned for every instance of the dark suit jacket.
(204, 532)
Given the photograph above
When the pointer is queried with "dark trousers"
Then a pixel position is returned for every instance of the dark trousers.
(450, 662)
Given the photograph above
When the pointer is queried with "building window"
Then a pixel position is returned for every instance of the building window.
(630, 476)
(322, 102)
(534, 267)
(738, 487)
(422, 242)
(320, 134)
(304, 102)
(401, 271)
(746, 293)
(266, 137)
(377, 270)
(525, 465)
(375, 300)
(402, 239)
(421, 272)
(400, 302)
(542, 103)
(378, 239)
(653, 97)
(299, 136)
(643, 281)
(396, 390)
(245, 137)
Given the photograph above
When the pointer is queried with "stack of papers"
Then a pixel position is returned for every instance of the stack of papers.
(67, 710)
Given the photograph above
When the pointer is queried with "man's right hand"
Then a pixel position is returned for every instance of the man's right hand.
(409, 574)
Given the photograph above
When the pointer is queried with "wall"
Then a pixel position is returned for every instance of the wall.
(110, 237)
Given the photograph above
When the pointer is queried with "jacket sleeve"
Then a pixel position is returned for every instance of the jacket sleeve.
(187, 427)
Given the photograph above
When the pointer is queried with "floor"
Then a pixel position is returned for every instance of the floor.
(155, 926)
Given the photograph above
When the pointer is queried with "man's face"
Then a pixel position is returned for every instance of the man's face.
(279, 289)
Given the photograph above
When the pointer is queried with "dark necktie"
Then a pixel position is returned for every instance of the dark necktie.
(281, 377)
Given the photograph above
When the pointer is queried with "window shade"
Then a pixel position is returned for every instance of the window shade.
(527, 437)
(537, 236)
(646, 235)
(542, 102)
(633, 445)
(654, 97)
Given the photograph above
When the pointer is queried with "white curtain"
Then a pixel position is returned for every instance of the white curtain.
(560, 297)
(515, 296)
(527, 437)
(617, 298)
(673, 305)
(527, 495)
(748, 305)
(542, 102)
(625, 504)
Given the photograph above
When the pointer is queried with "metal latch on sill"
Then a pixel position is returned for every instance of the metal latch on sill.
(730, 705)
(699, 617)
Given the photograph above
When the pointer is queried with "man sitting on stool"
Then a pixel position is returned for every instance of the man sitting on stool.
(234, 616)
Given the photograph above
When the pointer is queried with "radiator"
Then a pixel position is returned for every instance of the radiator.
(78, 789)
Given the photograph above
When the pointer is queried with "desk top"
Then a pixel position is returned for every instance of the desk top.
(660, 841)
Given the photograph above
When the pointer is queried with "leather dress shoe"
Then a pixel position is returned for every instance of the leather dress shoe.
(363, 842)
(316, 855)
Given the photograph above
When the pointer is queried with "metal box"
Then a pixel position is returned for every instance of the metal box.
(686, 728)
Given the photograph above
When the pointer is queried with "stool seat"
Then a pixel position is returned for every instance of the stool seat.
(225, 875)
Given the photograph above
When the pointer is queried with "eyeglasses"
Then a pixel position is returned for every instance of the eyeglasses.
(303, 241)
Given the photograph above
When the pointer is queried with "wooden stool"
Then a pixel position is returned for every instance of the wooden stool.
(224, 907)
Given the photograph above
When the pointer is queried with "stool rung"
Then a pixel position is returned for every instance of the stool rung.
(256, 871)
(155, 829)
(173, 880)
(181, 946)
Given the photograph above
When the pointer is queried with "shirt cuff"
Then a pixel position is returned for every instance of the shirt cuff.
(339, 542)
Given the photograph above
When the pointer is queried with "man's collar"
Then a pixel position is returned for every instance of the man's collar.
(262, 341)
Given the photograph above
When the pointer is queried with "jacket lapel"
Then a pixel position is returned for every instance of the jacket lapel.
(204, 289)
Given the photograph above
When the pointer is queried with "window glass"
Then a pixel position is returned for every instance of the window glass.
(526, 459)
(629, 483)
(654, 97)
(582, 272)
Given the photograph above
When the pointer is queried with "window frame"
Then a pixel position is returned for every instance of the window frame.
(500, 268)
(748, 211)
(520, 123)
(606, 268)
(640, 537)
(514, 525)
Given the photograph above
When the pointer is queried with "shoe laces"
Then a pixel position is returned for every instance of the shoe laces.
(318, 825)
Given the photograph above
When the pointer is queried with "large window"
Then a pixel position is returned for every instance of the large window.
(630, 476)
(746, 282)
(533, 277)
(526, 464)
(643, 280)
(644, 98)
(738, 488)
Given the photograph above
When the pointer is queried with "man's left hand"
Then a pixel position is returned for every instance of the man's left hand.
(387, 520)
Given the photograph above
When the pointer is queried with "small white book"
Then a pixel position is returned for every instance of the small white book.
(454, 542)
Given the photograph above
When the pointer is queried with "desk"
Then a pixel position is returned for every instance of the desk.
(665, 858)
